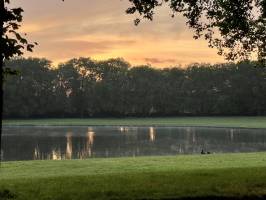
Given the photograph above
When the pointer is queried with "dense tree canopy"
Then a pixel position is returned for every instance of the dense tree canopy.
(85, 88)
(237, 28)
(11, 41)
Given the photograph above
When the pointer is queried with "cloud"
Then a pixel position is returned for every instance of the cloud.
(64, 49)
(92, 47)
(159, 60)
(101, 29)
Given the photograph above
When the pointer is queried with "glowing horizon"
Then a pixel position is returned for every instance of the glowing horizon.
(100, 30)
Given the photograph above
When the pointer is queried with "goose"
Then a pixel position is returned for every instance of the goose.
(203, 152)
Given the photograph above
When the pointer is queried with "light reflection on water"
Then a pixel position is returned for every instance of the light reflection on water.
(152, 134)
(57, 143)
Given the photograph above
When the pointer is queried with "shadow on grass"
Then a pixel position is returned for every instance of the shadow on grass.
(6, 194)
(216, 198)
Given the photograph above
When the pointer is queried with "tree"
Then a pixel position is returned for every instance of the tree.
(11, 42)
(32, 92)
(236, 28)
(87, 88)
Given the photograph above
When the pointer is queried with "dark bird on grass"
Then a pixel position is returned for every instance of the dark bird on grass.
(203, 152)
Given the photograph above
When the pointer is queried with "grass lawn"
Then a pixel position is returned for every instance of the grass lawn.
(241, 122)
(167, 177)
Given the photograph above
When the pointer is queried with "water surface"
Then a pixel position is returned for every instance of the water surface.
(37, 143)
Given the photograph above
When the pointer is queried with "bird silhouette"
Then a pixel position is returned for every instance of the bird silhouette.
(203, 152)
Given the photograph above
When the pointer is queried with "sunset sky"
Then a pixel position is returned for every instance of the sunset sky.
(101, 30)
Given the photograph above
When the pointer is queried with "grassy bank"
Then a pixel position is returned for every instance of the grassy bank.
(226, 175)
(241, 122)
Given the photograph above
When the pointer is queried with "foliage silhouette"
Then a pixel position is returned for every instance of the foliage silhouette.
(12, 43)
(240, 24)
(85, 88)
(6, 194)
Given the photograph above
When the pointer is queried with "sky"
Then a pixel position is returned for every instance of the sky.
(100, 29)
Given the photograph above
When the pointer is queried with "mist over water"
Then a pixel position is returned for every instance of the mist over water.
(57, 143)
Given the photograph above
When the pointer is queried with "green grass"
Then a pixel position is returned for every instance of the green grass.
(167, 177)
(234, 175)
(241, 122)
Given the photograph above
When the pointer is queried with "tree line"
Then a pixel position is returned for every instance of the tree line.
(87, 88)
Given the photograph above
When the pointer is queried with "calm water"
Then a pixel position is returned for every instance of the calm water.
(30, 143)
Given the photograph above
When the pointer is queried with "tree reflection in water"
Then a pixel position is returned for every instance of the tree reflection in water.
(87, 151)
(152, 134)
(57, 143)
(69, 145)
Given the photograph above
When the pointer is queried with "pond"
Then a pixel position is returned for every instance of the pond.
(56, 143)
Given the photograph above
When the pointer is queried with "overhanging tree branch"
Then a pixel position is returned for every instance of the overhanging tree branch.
(236, 28)
(12, 43)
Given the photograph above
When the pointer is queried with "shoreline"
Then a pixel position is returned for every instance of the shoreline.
(143, 157)
(202, 122)
(131, 126)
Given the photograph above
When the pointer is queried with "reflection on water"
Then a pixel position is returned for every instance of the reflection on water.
(69, 145)
(86, 152)
(152, 134)
(123, 129)
(231, 134)
(37, 154)
(57, 143)
(56, 155)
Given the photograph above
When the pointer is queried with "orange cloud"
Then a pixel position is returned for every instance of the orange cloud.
(101, 30)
